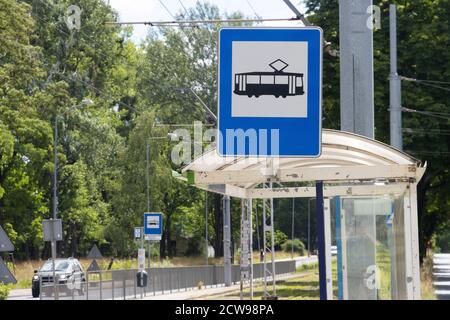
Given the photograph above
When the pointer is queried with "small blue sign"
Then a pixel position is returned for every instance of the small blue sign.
(153, 223)
(270, 92)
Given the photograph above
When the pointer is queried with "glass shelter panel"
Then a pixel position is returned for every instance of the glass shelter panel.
(371, 248)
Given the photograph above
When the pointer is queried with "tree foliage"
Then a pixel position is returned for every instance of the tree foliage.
(140, 92)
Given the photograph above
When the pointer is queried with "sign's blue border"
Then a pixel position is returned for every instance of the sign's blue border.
(298, 137)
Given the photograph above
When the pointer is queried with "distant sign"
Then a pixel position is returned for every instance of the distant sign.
(94, 253)
(153, 225)
(52, 229)
(6, 277)
(5, 244)
(93, 266)
(137, 232)
(270, 92)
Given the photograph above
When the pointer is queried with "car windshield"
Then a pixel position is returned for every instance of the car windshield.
(61, 265)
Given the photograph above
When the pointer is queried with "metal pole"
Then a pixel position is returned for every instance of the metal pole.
(292, 232)
(226, 240)
(257, 227)
(309, 227)
(55, 203)
(356, 65)
(206, 225)
(142, 273)
(147, 156)
(321, 240)
(394, 84)
(272, 246)
(250, 214)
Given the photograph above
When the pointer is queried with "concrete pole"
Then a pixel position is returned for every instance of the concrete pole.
(395, 84)
(356, 67)
(227, 240)
(206, 226)
(147, 174)
(55, 204)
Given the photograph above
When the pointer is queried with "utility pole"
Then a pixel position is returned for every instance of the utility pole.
(84, 102)
(147, 175)
(356, 67)
(395, 84)
(55, 202)
(147, 158)
(206, 225)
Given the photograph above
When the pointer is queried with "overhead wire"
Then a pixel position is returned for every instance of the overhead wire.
(76, 78)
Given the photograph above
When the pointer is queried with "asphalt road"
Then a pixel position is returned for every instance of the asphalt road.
(21, 294)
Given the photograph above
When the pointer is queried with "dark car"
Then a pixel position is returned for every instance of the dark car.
(69, 276)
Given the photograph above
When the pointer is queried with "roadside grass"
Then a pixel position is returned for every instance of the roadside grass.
(303, 286)
(426, 279)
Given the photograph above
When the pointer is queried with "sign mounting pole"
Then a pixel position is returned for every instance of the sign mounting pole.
(356, 65)
(395, 84)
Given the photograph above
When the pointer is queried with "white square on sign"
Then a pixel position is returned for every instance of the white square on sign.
(269, 79)
(152, 222)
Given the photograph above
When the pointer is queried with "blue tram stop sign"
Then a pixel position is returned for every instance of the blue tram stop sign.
(270, 92)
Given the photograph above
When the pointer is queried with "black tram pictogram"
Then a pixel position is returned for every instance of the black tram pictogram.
(277, 83)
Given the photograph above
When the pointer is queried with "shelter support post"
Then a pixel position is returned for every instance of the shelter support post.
(412, 244)
(321, 241)
(327, 234)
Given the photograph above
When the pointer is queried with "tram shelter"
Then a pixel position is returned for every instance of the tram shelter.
(366, 201)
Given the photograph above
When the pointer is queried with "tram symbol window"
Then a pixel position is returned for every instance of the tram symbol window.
(269, 79)
(274, 83)
(152, 222)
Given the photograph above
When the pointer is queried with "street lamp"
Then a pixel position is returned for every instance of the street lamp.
(84, 102)
(170, 136)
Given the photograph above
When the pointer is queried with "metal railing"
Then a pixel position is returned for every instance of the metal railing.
(122, 284)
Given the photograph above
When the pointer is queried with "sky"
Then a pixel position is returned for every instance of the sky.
(153, 10)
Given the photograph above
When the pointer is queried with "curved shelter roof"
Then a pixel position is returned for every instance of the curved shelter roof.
(345, 157)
